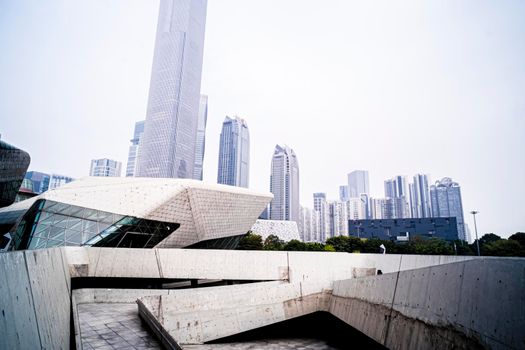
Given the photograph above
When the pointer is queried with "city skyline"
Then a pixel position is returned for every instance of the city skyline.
(460, 87)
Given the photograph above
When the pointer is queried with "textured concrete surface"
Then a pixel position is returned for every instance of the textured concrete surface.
(274, 344)
(34, 300)
(113, 326)
(284, 229)
(471, 304)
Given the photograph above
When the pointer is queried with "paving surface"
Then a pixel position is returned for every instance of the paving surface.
(113, 326)
(118, 326)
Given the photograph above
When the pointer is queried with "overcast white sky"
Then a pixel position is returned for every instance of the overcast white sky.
(395, 87)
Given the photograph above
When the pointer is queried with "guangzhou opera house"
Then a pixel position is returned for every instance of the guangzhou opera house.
(133, 213)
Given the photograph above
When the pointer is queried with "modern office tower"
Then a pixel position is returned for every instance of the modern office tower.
(420, 197)
(40, 181)
(234, 153)
(105, 167)
(308, 225)
(356, 209)
(396, 188)
(338, 218)
(56, 180)
(323, 212)
(358, 183)
(168, 144)
(200, 144)
(284, 184)
(343, 193)
(131, 167)
(445, 198)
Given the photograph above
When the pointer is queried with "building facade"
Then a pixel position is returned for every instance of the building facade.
(284, 184)
(397, 189)
(168, 144)
(445, 198)
(322, 209)
(343, 193)
(105, 167)
(358, 183)
(401, 230)
(13, 166)
(200, 144)
(56, 180)
(40, 181)
(338, 218)
(234, 153)
(133, 153)
(420, 197)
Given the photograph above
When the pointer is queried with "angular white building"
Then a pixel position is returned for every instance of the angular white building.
(136, 213)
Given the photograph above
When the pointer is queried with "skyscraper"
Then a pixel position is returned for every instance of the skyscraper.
(131, 167)
(323, 213)
(168, 143)
(343, 193)
(105, 167)
(445, 197)
(397, 189)
(358, 183)
(338, 219)
(284, 184)
(234, 153)
(57, 180)
(420, 197)
(201, 137)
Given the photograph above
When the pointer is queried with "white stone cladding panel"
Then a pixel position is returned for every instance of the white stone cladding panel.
(204, 211)
(285, 230)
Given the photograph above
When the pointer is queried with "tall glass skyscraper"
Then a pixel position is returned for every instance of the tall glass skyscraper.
(234, 153)
(284, 184)
(397, 189)
(420, 197)
(168, 143)
(358, 183)
(131, 167)
(200, 144)
(445, 197)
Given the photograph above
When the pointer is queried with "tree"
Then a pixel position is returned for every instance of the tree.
(519, 237)
(273, 242)
(340, 243)
(314, 247)
(503, 247)
(329, 248)
(432, 246)
(250, 241)
(294, 245)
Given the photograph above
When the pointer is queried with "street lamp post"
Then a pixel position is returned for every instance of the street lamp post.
(474, 212)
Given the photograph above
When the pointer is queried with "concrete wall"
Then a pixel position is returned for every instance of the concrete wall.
(197, 316)
(470, 304)
(34, 300)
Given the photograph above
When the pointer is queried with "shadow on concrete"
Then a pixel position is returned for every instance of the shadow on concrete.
(319, 326)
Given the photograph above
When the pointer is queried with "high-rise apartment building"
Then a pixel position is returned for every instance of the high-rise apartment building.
(397, 189)
(105, 167)
(323, 213)
(356, 209)
(338, 218)
(420, 197)
(200, 143)
(234, 153)
(57, 180)
(308, 225)
(168, 144)
(445, 198)
(284, 184)
(133, 153)
(343, 193)
(358, 183)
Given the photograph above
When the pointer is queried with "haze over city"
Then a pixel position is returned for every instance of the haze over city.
(397, 89)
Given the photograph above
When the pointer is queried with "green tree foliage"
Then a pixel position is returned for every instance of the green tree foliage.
(294, 245)
(519, 237)
(503, 247)
(433, 246)
(273, 242)
(329, 248)
(250, 241)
